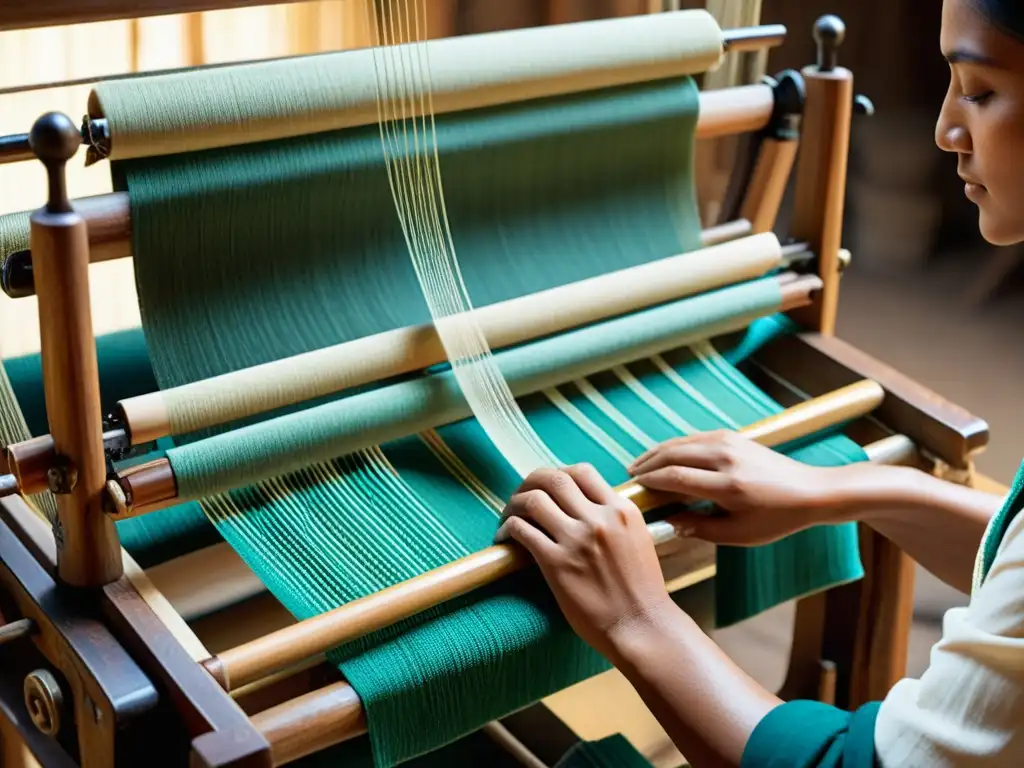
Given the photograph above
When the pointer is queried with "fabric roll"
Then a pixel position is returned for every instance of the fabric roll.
(228, 106)
(287, 443)
(14, 233)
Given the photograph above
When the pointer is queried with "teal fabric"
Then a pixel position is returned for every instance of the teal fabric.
(125, 371)
(611, 752)
(255, 253)
(510, 640)
(809, 734)
(1001, 523)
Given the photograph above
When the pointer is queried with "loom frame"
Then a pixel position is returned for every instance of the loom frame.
(842, 653)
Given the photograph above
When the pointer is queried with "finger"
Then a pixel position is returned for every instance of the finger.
(593, 485)
(562, 488)
(540, 509)
(688, 482)
(531, 538)
(703, 454)
(717, 528)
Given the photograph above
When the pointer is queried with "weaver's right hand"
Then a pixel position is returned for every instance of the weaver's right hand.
(762, 495)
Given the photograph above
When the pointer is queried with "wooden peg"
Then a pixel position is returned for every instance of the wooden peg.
(821, 169)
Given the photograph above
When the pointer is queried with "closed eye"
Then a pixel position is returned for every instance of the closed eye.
(979, 98)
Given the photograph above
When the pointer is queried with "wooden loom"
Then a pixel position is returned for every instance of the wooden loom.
(100, 660)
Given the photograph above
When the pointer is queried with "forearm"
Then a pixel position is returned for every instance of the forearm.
(706, 704)
(939, 524)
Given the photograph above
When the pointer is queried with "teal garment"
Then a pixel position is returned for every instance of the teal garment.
(1001, 524)
(809, 734)
(612, 752)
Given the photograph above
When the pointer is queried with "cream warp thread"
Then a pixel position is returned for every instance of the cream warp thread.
(413, 167)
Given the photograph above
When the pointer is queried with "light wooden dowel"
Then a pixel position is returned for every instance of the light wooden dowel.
(287, 647)
(301, 378)
(311, 723)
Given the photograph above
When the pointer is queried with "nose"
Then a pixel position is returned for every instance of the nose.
(951, 134)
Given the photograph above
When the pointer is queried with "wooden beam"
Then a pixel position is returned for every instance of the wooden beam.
(817, 363)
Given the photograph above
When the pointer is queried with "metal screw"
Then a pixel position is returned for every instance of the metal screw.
(44, 701)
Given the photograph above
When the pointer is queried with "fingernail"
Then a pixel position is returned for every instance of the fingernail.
(501, 536)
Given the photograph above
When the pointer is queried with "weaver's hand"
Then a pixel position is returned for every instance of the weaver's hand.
(594, 550)
(763, 495)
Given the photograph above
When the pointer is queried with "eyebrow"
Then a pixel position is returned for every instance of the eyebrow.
(960, 56)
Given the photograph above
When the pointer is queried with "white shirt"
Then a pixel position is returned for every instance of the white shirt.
(968, 707)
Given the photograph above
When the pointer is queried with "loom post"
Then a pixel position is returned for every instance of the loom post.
(775, 155)
(820, 194)
(88, 549)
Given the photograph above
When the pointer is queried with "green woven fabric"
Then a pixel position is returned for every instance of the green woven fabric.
(612, 752)
(125, 371)
(258, 252)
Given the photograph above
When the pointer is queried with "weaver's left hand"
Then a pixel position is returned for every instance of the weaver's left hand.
(593, 548)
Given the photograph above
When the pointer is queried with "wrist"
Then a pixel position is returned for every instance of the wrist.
(636, 640)
(859, 492)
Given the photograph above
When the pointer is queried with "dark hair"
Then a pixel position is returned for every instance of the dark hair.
(1008, 15)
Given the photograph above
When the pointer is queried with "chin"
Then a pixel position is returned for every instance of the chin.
(999, 230)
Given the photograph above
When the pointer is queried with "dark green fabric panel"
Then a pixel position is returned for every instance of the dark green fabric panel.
(125, 371)
(527, 187)
(611, 752)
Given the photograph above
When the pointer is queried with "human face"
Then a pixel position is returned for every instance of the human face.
(982, 118)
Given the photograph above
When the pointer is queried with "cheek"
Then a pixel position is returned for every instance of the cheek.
(998, 159)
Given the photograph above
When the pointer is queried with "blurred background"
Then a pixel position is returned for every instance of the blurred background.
(924, 294)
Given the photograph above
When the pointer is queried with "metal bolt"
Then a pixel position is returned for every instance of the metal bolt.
(44, 701)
